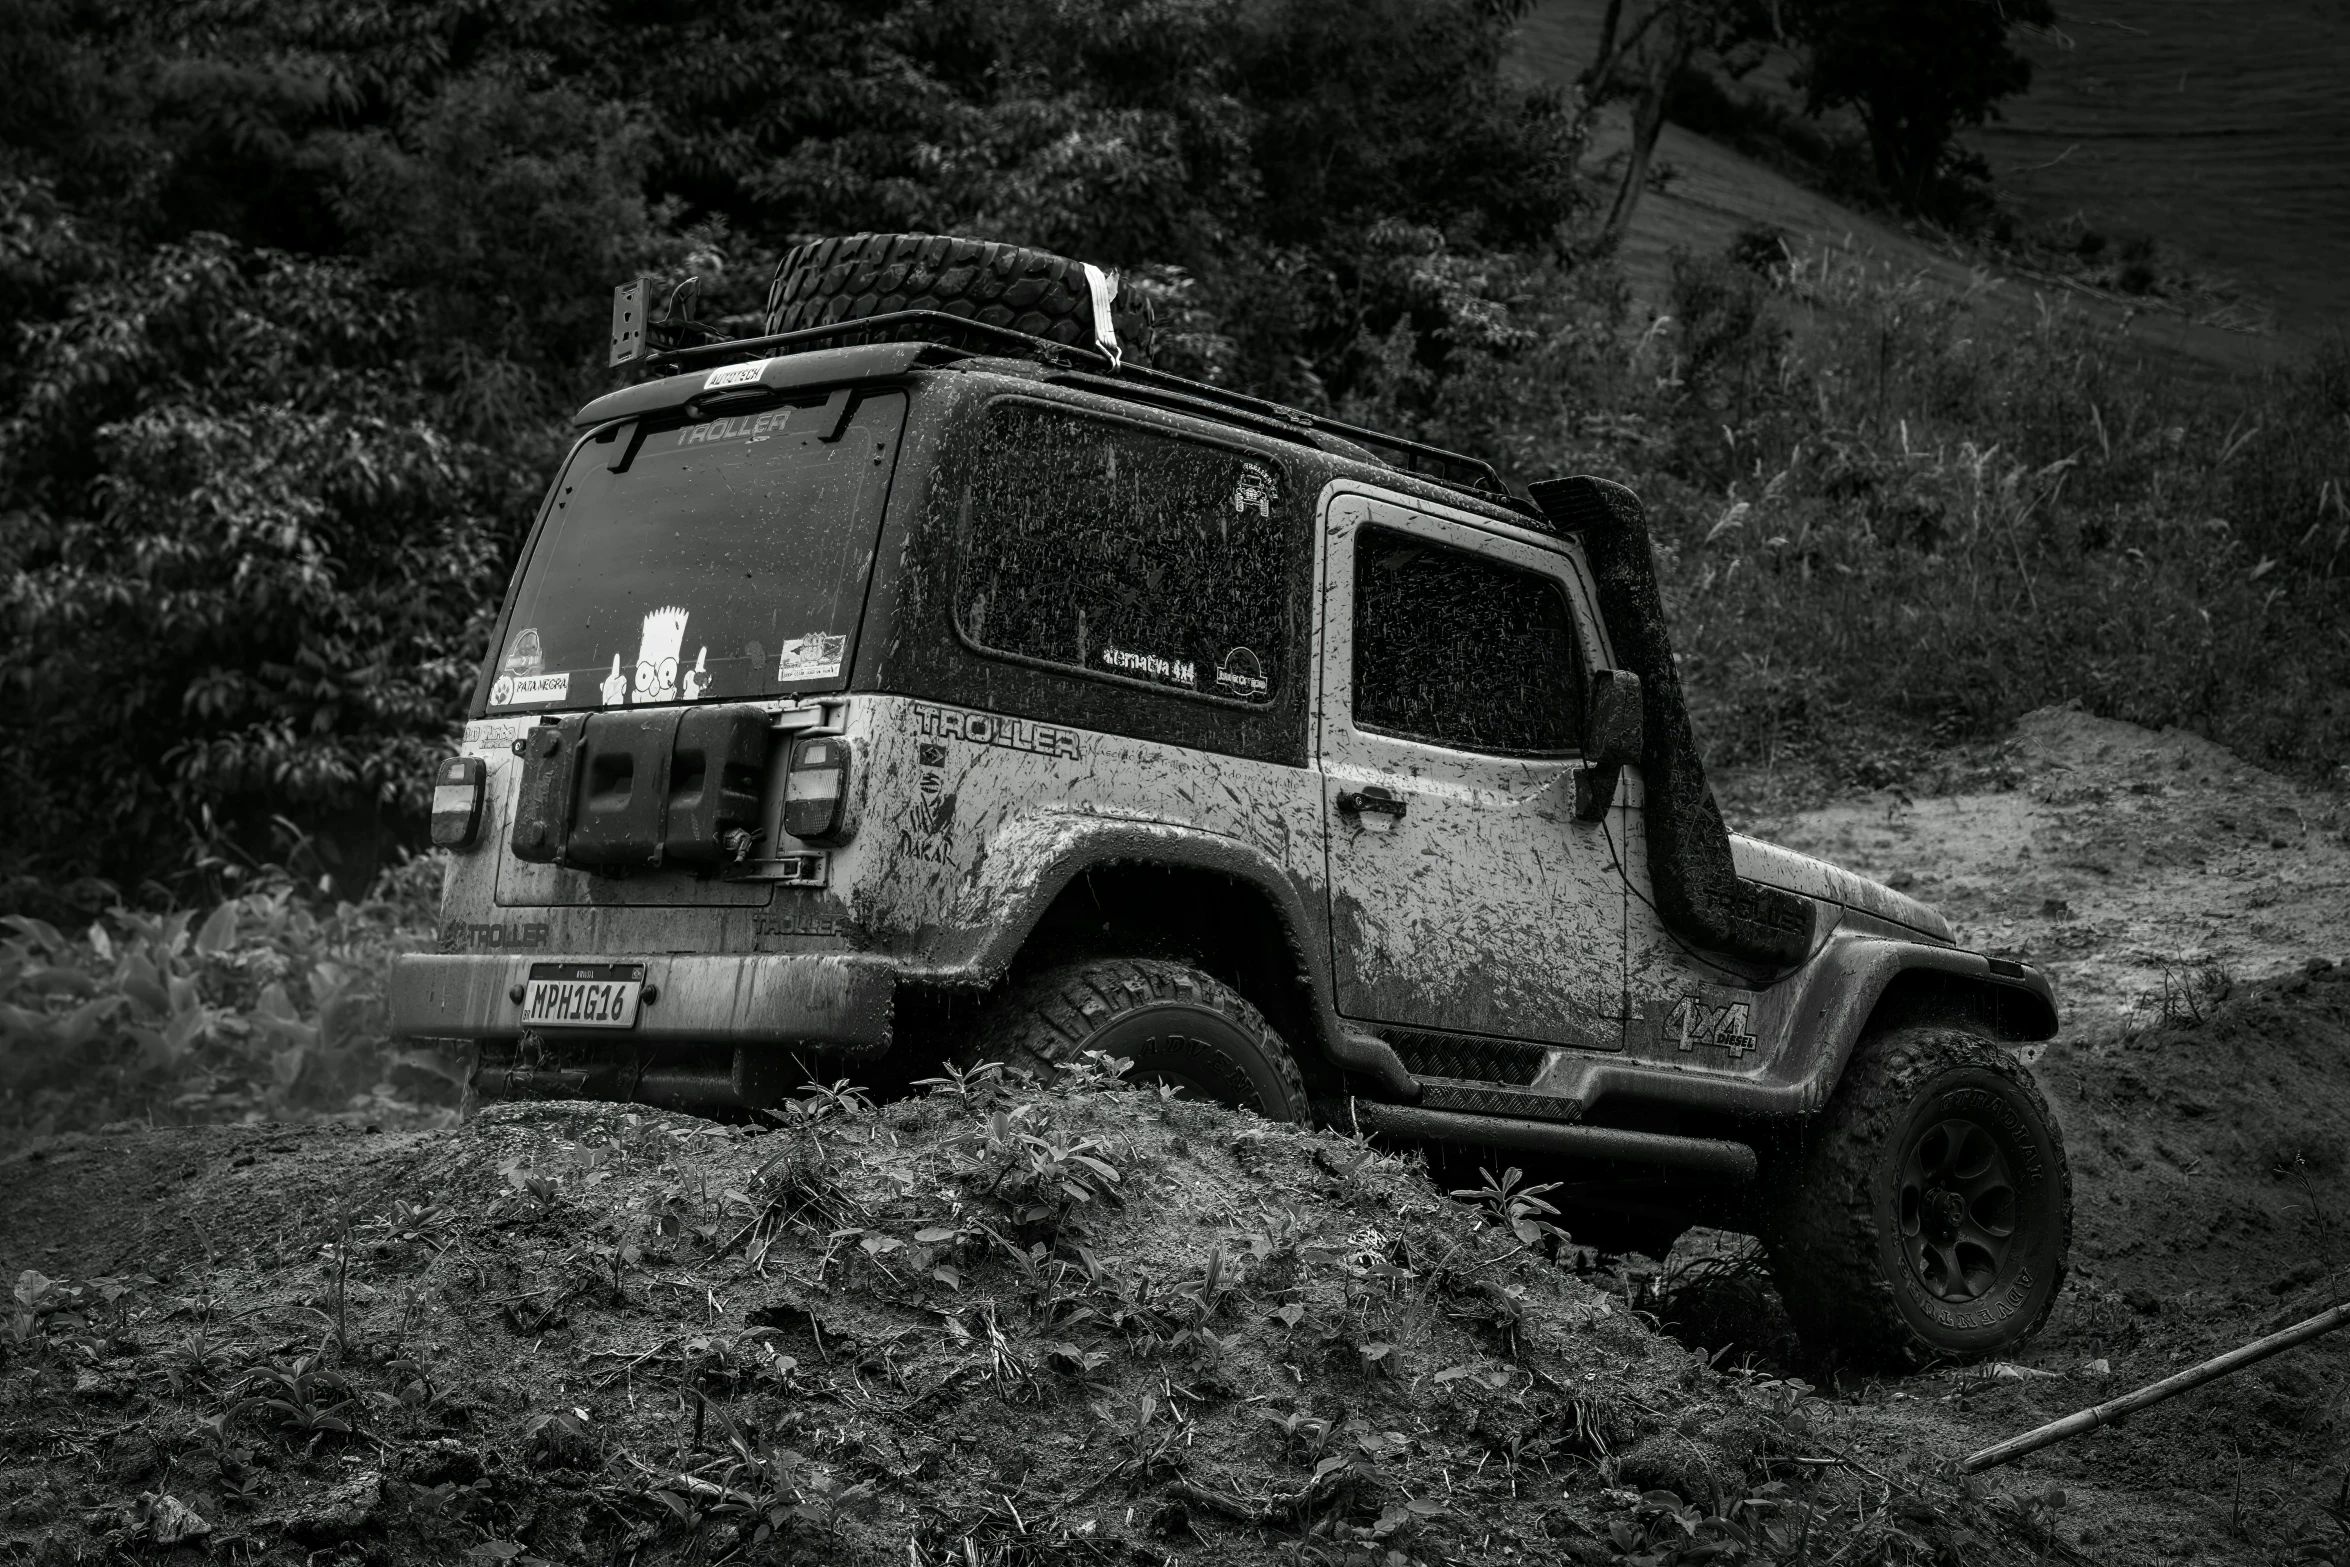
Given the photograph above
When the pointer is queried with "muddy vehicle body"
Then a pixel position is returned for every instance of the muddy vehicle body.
(859, 703)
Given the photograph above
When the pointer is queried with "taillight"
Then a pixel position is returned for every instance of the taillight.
(816, 790)
(457, 789)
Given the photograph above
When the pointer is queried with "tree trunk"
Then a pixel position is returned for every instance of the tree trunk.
(1672, 49)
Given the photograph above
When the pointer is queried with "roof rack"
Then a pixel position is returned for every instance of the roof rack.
(1112, 378)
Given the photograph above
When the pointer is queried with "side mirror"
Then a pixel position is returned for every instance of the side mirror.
(1612, 726)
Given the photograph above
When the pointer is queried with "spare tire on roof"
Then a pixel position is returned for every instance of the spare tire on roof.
(831, 281)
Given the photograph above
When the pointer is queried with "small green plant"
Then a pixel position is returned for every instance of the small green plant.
(1138, 1427)
(1516, 1206)
(825, 1101)
(957, 1083)
(1201, 1297)
(414, 1226)
(1057, 1176)
(1303, 1434)
(304, 1397)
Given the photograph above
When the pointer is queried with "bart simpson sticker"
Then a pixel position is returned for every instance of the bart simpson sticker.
(656, 655)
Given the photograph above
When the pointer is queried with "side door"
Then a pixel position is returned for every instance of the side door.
(1465, 898)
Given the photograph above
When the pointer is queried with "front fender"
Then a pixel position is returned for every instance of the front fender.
(1829, 1003)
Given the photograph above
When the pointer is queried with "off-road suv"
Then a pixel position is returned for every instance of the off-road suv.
(926, 677)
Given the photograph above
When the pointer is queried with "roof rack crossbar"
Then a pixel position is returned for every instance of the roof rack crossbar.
(1485, 475)
(1021, 342)
(1481, 475)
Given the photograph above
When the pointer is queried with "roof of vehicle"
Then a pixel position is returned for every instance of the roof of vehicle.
(713, 374)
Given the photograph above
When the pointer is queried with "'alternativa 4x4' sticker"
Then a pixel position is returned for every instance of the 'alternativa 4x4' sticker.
(1152, 666)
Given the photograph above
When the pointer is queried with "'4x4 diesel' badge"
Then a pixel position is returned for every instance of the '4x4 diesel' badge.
(1694, 1021)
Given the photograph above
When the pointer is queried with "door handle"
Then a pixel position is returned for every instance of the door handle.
(1373, 800)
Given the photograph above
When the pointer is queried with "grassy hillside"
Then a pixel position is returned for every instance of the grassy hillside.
(2237, 174)
(2220, 130)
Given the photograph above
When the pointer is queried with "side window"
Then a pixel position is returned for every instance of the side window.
(1122, 551)
(1461, 651)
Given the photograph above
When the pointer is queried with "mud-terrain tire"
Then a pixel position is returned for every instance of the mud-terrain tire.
(1928, 1212)
(1176, 1024)
(1033, 291)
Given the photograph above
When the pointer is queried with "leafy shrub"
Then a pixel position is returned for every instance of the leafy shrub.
(301, 296)
(259, 1008)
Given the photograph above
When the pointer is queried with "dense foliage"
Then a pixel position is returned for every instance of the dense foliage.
(1889, 516)
(301, 293)
(1916, 72)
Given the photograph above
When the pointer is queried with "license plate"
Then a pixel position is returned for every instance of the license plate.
(583, 995)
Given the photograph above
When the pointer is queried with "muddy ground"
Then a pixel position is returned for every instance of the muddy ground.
(1004, 1325)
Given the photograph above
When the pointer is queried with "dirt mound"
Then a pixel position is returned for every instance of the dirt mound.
(999, 1325)
(2210, 1152)
(2193, 912)
(980, 1326)
(2129, 863)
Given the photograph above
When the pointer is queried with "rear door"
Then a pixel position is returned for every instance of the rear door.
(689, 559)
(1464, 896)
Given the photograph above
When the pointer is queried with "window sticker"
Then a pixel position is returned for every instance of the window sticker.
(615, 687)
(697, 679)
(1182, 671)
(1256, 491)
(656, 655)
(1241, 673)
(816, 656)
(735, 375)
(529, 690)
(525, 655)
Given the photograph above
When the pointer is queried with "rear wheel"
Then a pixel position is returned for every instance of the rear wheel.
(1177, 1025)
(1929, 1212)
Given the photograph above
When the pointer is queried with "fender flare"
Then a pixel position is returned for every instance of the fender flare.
(1033, 861)
(1836, 998)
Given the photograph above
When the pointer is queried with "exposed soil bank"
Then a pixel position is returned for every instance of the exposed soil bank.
(585, 1334)
(1017, 1327)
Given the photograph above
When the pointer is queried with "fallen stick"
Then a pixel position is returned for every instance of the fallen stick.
(2114, 1409)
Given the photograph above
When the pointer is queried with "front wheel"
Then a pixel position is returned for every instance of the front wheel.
(1928, 1213)
(1178, 1026)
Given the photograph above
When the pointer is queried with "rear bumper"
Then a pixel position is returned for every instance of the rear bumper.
(818, 1000)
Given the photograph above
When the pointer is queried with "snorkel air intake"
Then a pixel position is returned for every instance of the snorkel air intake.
(1697, 887)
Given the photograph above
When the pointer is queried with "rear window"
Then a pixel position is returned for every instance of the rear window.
(717, 560)
(1461, 651)
(1125, 552)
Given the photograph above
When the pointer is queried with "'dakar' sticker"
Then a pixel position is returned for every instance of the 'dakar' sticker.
(815, 656)
(524, 655)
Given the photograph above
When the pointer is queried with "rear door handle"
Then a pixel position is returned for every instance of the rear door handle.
(1372, 799)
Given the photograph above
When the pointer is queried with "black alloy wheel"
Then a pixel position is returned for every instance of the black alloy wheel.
(1927, 1213)
(1958, 1208)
